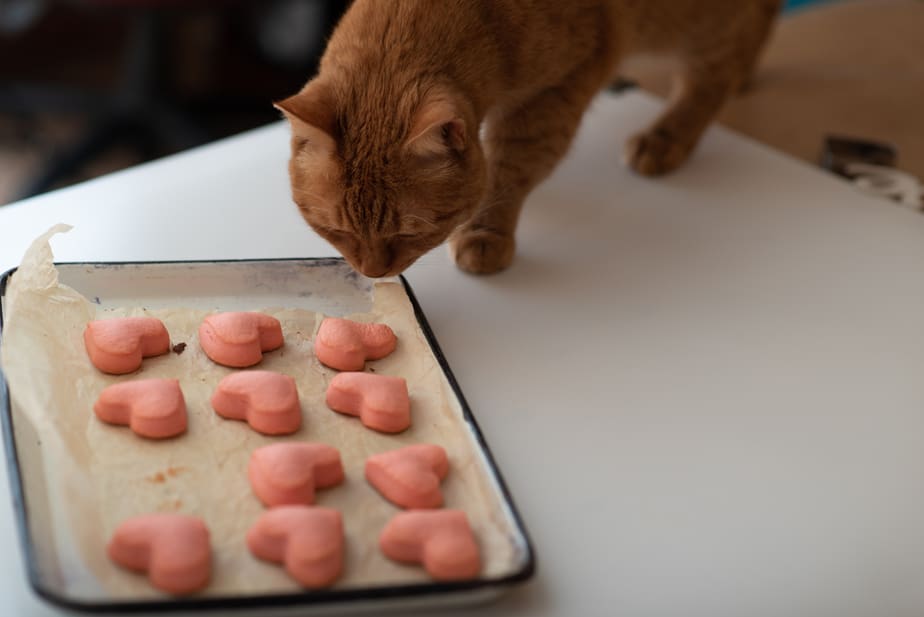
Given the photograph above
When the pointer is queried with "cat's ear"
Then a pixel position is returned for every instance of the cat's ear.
(312, 117)
(437, 129)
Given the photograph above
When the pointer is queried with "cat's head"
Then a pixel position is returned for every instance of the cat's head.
(383, 183)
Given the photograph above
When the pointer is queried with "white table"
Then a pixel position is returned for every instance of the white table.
(718, 375)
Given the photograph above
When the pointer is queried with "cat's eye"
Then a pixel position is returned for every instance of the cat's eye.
(335, 235)
(416, 237)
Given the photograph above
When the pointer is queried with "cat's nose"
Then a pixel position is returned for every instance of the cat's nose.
(375, 271)
(377, 261)
(375, 268)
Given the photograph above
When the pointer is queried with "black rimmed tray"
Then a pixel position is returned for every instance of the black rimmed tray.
(239, 285)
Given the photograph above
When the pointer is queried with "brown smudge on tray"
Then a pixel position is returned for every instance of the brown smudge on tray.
(179, 348)
(161, 476)
(171, 505)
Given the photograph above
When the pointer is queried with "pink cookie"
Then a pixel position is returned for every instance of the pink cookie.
(153, 408)
(441, 540)
(409, 477)
(239, 339)
(346, 345)
(307, 540)
(289, 472)
(266, 400)
(117, 346)
(381, 402)
(173, 549)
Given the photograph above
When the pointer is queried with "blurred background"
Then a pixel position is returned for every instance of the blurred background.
(92, 86)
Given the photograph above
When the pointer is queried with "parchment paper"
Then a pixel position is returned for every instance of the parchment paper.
(96, 475)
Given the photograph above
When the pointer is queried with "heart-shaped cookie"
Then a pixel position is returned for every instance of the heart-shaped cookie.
(152, 408)
(239, 339)
(307, 540)
(381, 402)
(174, 550)
(117, 346)
(409, 477)
(266, 400)
(441, 540)
(346, 345)
(290, 472)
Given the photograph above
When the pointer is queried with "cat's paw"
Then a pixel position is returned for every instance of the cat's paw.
(655, 152)
(482, 251)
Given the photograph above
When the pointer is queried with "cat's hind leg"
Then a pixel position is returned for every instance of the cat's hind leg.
(523, 143)
(698, 95)
(710, 72)
(767, 12)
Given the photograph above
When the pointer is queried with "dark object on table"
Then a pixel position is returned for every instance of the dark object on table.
(870, 166)
(838, 152)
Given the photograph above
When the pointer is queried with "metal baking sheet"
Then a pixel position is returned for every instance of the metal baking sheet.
(328, 286)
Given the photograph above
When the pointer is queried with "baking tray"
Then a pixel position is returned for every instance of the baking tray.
(242, 285)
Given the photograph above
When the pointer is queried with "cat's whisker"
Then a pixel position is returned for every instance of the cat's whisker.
(486, 208)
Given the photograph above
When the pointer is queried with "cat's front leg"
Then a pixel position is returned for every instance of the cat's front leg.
(486, 244)
(524, 143)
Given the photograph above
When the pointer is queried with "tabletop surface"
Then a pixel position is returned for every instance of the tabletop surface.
(704, 391)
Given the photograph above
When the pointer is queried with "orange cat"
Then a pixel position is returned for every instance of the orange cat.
(431, 120)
